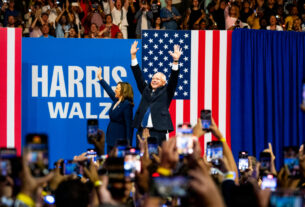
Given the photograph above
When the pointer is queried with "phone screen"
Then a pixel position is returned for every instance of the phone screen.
(171, 186)
(214, 152)
(265, 160)
(185, 140)
(286, 198)
(70, 167)
(206, 120)
(269, 181)
(291, 160)
(152, 146)
(92, 129)
(243, 162)
(132, 165)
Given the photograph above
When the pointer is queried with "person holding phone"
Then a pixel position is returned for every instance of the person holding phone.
(120, 113)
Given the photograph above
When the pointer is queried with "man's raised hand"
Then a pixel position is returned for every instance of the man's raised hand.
(177, 52)
(134, 49)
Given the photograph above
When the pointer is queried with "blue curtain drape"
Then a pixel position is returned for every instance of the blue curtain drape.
(267, 69)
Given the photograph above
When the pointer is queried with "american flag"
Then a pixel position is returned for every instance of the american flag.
(10, 88)
(205, 74)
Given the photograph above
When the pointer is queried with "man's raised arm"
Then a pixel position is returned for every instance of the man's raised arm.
(137, 73)
(173, 80)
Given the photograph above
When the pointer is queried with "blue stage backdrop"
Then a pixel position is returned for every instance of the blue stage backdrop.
(60, 90)
(266, 91)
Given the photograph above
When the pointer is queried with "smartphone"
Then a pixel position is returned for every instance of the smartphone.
(121, 145)
(152, 144)
(185, 139)
(69, 167)
(91, 155)
(38, 156)
(132, 164)
(206, 119)
(115, 169)
(243, 162)
(92, 130)
(291, 160)
(269, 181)
(49, 199)
(265, 160)
(176, 186)
(5, 167)
(286, 198)
(214, 152)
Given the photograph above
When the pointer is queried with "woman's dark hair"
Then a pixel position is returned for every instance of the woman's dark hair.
(126, 92)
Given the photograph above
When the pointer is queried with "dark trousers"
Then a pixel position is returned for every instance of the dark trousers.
(160, 135)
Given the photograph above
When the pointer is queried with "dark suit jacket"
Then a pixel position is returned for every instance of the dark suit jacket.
(119, 126)
(158, 103)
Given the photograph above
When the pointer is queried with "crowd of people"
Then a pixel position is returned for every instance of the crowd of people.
(127, 18)
(165, 178)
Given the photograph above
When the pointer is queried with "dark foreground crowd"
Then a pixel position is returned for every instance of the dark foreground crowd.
(175, 174)
(127, 18)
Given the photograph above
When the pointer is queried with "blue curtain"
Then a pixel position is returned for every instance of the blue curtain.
(267, 69)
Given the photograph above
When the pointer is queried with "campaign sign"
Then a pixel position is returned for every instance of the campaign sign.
(60, 90)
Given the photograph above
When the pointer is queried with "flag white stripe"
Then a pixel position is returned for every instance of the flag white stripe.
(208, 77)
(179, 112)
(194, 78)
(222, 81)
(10, 87)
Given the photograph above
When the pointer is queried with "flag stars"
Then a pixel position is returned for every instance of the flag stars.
(185, 58)
(156, 35)
(150, 52)
(181, 41)
(150, 64)
(160, 52)
(150, 40)
(145, 70)
(180, 88)
(176, 35)
(186, 47)
(165, 47)
(185, 70)
(170, 64)
(145, 58)
(150, 75)
(176, 94)
(155, 58)
(145, 46)
(145, 34)
(185, 82)
(165, 70)
(171, 41)
(155, 70)
(155, 46)
(180, 64)
(160, 41)
(185, 93)
(180, 76)
(186, 35)
(165, 58)
(165, 35)
(160, 64)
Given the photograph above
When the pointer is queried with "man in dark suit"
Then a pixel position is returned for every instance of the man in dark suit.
(156, 97)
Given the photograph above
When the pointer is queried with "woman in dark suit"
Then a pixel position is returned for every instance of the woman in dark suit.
(120, 113)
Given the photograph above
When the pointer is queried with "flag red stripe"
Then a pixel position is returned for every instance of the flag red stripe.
(215, 78)
(186, 111)
(3, 86)
(17, 120)
(228, 110)
(201, 78)
(172, 111)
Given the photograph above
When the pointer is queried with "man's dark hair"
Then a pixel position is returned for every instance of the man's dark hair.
(72, 193)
